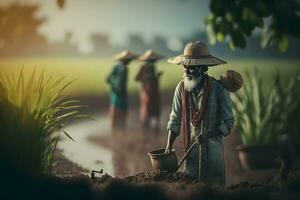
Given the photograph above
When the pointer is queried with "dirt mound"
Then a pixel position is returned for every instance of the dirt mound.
(65, 168)
(163, 185)
(155, 176)
(149, 178)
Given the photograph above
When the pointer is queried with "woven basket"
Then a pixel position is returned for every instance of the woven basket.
(232, 80)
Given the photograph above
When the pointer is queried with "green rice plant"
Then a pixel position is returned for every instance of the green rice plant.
(254, 109)
(33, 111)
(262, 113)
(288, 109)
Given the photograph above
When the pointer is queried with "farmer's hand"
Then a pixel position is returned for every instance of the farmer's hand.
(201, 139)
(168, 149)
(170, 141)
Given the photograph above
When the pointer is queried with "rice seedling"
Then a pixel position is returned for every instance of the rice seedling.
(288, 108)
(252, 109)
(263, 114)
(32, 112)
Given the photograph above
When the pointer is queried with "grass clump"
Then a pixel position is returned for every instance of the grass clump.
(32, 112)
(264, 111)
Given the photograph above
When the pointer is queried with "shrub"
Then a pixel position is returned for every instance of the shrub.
(288, 108)
(32, 112)
(262, 114)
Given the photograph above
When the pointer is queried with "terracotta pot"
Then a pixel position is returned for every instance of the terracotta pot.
(164, 162)
(257, 157)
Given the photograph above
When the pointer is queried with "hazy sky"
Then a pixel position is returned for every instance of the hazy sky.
(118, 18)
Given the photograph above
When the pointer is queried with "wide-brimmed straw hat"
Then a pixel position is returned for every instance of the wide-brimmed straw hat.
(194, 54)
(125, 55)
(232, 80)
(150, 55)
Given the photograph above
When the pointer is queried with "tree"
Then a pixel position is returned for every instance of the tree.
(60, 3)
(101, 44)
(159, 44)
(19, 30)
(236, 20)
(136, 43)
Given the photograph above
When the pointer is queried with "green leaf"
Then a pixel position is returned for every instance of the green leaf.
(229, 17)
(283, 43)
(209, 19)
(232, 46)
(211, 34)
(267, 37)
(68, 136)
(220, 37)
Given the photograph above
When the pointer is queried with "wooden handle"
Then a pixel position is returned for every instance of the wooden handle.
(191, 147)
(185, 155)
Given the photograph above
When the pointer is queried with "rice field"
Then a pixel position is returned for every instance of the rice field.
(89, 74)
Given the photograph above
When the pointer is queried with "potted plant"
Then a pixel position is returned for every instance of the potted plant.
(256, 110)
(289, 111)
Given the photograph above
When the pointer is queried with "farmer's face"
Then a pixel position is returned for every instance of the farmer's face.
(193, 71)
(192, 76)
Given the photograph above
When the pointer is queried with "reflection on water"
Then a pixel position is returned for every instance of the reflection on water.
(121, 154)
(82, 152)
(130, 150)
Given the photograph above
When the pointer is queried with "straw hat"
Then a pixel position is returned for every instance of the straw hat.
(150, 55)
(196, 53)
(232, 80)
(125, 55)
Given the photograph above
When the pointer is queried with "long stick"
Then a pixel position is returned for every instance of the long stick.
(191, 147)
(185, 155)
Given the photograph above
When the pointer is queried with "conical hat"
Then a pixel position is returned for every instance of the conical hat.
(194, 54)
(125, 55)
(150, 55)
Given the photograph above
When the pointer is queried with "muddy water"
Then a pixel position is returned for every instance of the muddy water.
(83, 152)
(130, 150)
(121, 154)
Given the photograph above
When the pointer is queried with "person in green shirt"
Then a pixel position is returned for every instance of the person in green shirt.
(202, 106)
(117, 80)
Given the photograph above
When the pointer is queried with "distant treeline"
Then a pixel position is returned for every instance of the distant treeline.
(19, 36)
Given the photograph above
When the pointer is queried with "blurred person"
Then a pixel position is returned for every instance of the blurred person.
(117, 80)
(203, 106)
(149, 94)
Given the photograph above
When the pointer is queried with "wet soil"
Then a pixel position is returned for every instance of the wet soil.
(65, 168)
(164, 185)
(180, 186)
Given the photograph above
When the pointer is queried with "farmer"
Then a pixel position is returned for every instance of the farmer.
(118, 97)
(149, 95)
(203, 106)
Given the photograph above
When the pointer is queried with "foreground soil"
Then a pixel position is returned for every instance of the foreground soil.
(65, 168)
(163, 185)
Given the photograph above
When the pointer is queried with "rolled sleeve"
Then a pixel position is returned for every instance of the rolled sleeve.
(174, 123)
(227, 117)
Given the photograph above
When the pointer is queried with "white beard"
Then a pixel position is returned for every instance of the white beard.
(190, 82)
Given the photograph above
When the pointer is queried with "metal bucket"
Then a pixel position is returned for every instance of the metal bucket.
(162, 161)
